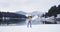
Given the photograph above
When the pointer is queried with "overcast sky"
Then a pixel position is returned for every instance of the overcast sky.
(27, 5)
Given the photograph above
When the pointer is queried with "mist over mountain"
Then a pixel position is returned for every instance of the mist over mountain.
(34, 13)
(21, 12)
(38, 13)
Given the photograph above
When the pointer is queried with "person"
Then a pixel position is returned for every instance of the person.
(29, 22)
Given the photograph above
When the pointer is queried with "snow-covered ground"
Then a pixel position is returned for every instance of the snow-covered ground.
(35, 28)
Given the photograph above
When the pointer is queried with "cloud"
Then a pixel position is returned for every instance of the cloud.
(27, 5)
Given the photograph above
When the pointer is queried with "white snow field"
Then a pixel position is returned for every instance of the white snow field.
(35, 28)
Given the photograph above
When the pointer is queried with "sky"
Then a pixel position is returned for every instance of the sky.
(27, 5)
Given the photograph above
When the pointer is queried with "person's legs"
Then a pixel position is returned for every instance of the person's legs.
(28, 24)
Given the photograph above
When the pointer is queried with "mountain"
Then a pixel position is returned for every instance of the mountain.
(38, 13)
(21, 12)
(10, 18)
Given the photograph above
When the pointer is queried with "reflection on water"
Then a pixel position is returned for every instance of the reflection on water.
(11, 21)
(23, 21)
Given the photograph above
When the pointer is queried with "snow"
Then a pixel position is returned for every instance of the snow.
(35, 28)
(58, 16)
